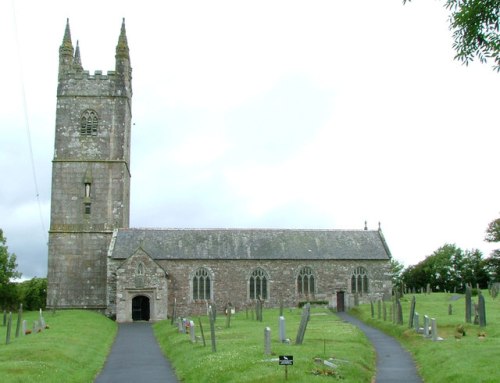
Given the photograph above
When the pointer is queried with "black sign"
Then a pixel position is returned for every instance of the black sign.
(286, 360)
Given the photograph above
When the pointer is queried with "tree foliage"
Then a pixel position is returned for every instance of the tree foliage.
(475, 25)
(8, 272)
(33, 293)
(448, 268)
(492, 263)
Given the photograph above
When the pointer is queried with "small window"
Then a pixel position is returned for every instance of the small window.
(305, 281)
(201, 285)
(86, 207)
(258, 284)
(359, 281)
(88, 123)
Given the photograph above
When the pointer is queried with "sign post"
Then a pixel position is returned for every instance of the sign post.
(286, 360)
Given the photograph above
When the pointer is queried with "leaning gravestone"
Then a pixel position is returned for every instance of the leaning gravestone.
(481, 311)
(303, 323)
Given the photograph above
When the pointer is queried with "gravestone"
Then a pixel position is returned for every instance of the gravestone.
(282, 329)
(481, 311)
(19, 317)
(428, 290)
(384, 310)
(426, 326)
(435, 336)
(202, 333)
(399, 318)
(371, 309)
(267, 341)
(450, 309)
(468, 304)
(9, 325)
(24, 326)
(303, 323)
(191, 332)
(416, 322)
(379, 309)
(412, 312)
(212, 327)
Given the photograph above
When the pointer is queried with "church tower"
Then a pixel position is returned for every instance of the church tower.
(90, 175)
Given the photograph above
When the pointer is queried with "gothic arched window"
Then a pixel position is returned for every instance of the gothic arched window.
(305, 281)
(258, 284)
(88, 123)
(201, 285)
(359, 281)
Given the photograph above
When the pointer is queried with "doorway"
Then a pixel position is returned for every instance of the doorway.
(140, 308)
(340, 302)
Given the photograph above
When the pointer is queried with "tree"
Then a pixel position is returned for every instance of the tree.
(8, 272)
(476, 27)
(33, 293)
(492, 263)
(396, 273)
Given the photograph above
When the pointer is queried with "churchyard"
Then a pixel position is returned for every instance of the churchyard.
(72, 349)
(248, 349)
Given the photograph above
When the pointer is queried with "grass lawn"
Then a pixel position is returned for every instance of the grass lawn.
(73, 349)
(468, 359)
(240, 355)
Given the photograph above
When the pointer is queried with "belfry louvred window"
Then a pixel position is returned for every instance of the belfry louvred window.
(88, 123)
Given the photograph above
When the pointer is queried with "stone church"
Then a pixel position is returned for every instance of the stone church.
(97, 262)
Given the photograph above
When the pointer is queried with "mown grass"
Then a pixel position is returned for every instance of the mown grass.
(73, 349)
(467, 359)
(240, 354)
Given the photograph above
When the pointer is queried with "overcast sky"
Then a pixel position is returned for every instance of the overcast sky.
(265, 114)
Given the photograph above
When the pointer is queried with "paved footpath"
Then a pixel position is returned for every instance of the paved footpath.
(136, 357)
(394, 363)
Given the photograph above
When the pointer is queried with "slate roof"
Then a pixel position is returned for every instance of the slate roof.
(255, 244)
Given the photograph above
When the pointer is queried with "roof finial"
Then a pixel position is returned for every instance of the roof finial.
(366, 225)
(379, 226)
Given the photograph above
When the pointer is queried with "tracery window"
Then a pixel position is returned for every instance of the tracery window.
(201, 284)
(359, 281)
(88, 123)
(305, 281)
(258, 284)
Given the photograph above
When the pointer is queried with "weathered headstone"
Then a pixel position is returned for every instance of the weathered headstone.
(371, 309)
(399, 319)
(435, 336)
(303, 323)
(282, 329)
(428, 289)
(416, 322)
(191, 332)
(9, 325)
(267, 341)
(202, 333)
(468, 304)
(481, 311)
(450, 309)
(412, 312)
(24, 326)
(212, 328)
(426, 326)
(19, 318)
(379, 309)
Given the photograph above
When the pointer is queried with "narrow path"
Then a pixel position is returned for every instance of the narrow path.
(394, 363)
(136, 357)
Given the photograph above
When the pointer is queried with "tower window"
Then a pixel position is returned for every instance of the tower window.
(86, 208)
(88, 123)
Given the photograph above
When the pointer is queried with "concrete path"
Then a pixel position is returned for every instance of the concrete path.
(136, 357)
(394, 363)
